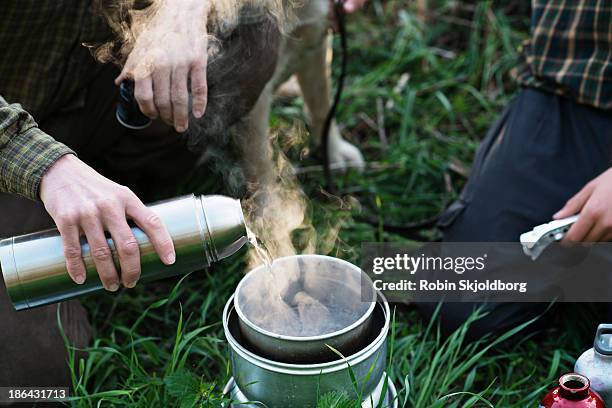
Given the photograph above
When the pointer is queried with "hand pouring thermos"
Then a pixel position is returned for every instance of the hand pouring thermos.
(204, 229)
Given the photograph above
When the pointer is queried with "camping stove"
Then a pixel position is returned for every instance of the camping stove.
(261, 362)
(390, 400)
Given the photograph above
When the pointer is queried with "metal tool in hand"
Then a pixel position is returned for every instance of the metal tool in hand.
(534, 242)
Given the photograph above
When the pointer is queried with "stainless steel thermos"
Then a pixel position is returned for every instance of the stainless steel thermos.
(204, 229)
(596, 363)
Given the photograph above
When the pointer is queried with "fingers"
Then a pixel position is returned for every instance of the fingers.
(153, 227)
(68, 228)
(199, 89)
(165, 93)
(126, 246)
(580, 229)
(143, 92)
(100, 251)
(107, 215)
(596, 234)
(596, 212)
(180, 98)
(575, 204)
(161, 90)
(122, 76)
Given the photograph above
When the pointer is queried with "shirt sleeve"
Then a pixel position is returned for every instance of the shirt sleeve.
(26, 152)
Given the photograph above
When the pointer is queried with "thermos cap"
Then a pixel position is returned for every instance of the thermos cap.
(225, 226)
(128, 112)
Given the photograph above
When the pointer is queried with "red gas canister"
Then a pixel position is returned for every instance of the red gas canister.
(574, 391)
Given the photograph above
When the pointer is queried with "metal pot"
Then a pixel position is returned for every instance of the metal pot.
(322, 277)
(281, 385)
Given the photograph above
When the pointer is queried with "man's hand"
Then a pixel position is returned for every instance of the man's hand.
(170, 50)
(81, 201)
(593, 204)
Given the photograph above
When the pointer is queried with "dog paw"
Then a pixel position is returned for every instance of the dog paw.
(288, 90)
(344, 155)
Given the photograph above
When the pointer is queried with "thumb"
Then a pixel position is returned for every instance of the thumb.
(575, 204)
(122, 76)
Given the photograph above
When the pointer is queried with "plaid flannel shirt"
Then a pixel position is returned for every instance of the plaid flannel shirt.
(570, 50)
(43, 64)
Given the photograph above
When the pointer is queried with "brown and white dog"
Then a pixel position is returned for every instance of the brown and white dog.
(247, 53)
(305, 52)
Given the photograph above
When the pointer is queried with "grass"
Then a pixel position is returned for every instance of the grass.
(436, 89)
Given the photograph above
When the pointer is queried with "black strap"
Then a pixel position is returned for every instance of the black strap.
(340, 19)
(410, 230)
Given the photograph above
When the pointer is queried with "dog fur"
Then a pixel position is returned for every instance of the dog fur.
(305, 51)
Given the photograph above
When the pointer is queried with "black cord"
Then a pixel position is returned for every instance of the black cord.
(410, 230)
(340, 19)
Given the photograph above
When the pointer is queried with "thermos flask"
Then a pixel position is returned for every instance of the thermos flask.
(204, 229)
(596, 363)
(574, 391)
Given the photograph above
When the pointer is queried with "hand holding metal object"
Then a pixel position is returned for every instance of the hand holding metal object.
(534, 242)
(204, 229)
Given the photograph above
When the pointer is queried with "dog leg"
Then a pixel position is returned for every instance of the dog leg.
(254, 143)
(276, 205)
(314, 76)
(422, 11)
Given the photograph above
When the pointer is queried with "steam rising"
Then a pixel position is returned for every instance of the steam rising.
(278, 209)
(303, 297)
(295, 296)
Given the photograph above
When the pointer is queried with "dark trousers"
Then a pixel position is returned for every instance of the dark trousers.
(542, 150)
(152, 162)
